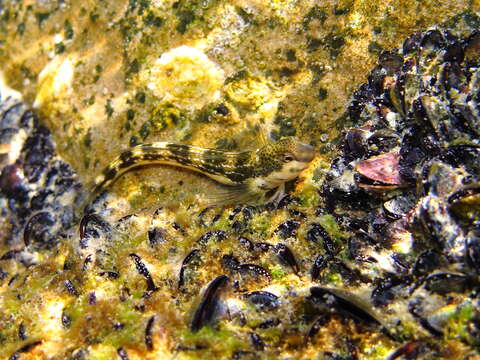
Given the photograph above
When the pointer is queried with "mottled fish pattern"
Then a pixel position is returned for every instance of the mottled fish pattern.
(249, 174)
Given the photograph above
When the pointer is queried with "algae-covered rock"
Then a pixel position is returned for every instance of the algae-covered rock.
(372, 254)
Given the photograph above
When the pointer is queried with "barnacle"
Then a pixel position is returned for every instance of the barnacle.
(185, 77)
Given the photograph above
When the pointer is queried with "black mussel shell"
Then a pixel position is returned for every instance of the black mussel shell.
(205, 311)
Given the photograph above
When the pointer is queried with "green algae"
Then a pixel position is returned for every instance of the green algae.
(220, 341)
(277, 272)
(331, 226)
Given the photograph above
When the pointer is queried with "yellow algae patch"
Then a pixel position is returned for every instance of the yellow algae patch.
(6, 91)
(49, 322)
(250, 91)
(185, 77)
(54, 82)
(255, 93)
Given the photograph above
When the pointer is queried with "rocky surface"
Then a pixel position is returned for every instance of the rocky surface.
(372, 255)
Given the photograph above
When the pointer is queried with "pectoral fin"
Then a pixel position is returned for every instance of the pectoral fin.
(278, 195)
(236, 194)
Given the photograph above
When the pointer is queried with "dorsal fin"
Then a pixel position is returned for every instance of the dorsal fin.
(253, 137)
(262, 133)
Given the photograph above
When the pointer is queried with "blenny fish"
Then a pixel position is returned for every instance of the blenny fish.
(249, 175)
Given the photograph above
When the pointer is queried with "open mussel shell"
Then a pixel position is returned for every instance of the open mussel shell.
(383, 170)
(346, 303)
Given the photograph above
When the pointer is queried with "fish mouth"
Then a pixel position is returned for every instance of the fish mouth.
(304, 165)
(306, 152)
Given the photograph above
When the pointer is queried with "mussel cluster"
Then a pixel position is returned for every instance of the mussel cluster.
(407, 181)
(37, 188)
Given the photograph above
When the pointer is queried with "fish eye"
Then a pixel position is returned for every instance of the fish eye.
(288, 158)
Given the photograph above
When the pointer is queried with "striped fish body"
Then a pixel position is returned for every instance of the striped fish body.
(249, 174)
(228, 168)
